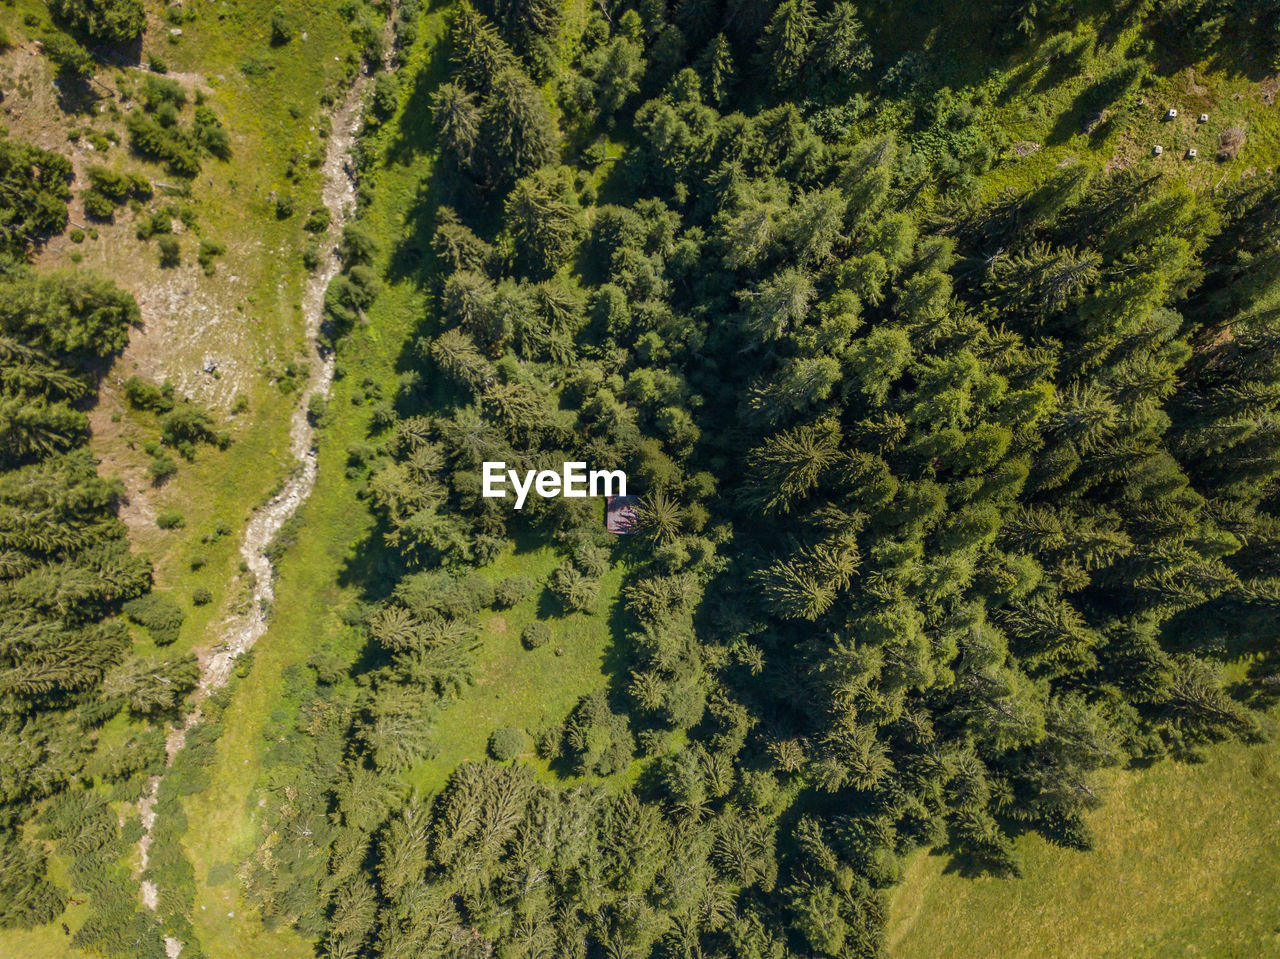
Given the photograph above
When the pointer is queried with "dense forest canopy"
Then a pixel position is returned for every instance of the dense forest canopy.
(951, 498)
(66, 573)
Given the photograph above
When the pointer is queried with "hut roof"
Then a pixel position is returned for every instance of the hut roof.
(622, 514)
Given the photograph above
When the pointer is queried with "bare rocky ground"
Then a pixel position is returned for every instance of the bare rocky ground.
(189, 321)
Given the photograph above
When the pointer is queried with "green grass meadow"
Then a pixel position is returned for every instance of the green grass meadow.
(1186, 864)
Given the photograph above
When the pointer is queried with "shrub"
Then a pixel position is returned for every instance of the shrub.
(201, 596)
(385, 96)
(161, 616)
(160, 222)
(77, 235)
(175, 146)
(506, 743)
(162, 466)
(170, 252)
(142, 395)
(211, 134)
(97, 206)
(170, 519)
(357, 244)
(282, 28)
(186, 426)
(317, 220)
(206, 253)
(535, 635)
(511, 590)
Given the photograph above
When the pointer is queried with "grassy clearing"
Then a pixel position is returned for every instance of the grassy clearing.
(1040, 107)
(1186, 863)
(224, 817)
(315, 581)
(523, 688)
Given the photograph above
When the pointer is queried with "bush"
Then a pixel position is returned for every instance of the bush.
(535, 635)
(97, 206)
(175, 146)
(160, 222)
(142, 395)
(186, 426)
(206, 253)
(77, 235)
(282, 28)
(162, 466)
(161, 616)
(512, 590)
(170, 252)
(317, 220)
(357, 244)
(170, 519)
(506, 743)
(385, 96)
(201, 596)
(211, 134)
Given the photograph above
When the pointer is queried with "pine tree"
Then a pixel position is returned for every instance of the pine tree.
(518, 134)
(457, 120)
(785, 43)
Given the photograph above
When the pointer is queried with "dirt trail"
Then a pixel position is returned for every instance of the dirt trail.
(239, 632)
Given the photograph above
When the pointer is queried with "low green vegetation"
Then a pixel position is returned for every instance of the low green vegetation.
(1182, 862)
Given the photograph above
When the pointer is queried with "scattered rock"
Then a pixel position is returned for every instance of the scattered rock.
(1024, 148)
